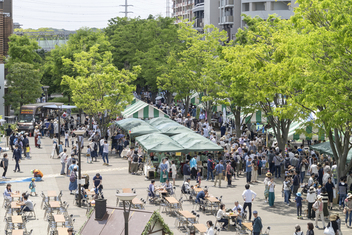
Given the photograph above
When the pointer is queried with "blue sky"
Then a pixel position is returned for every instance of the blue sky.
(74, 14)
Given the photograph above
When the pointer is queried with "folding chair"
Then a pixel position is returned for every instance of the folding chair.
(28, 213)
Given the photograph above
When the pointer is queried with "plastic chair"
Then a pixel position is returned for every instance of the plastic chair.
(28, 213)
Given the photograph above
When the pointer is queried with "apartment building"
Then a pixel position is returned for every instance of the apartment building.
(182, 9)
(226, 14)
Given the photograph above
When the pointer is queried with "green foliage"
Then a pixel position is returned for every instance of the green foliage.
(23, 82)
(144, 42)
(54, 68)
(99, 87)
(22, 49)
(156, 217)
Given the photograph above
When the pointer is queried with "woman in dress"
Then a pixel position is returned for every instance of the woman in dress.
(73, 181)
(266, 186)
(271, 185)
(163, 172)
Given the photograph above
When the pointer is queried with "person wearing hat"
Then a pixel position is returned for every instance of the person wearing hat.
(298, 201)
(348, 209)
(271, 186)
(257, 224)
(311, 197)
(37, 173)
(32, 187)
(333, 224)
(266, 186)
(298, 230)
(318, 207)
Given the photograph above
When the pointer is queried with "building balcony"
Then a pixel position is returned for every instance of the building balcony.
(199, 7)
(226, 20)
(198, 23)
(227, 3)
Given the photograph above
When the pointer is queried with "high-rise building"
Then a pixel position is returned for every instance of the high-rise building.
(226, 14)
(182, 9)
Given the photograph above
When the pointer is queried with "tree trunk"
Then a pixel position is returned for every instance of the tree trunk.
(187, 106)
(237, 113)
(69, 99)
(280, 128)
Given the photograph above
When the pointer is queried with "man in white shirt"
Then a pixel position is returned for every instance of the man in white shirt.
(248, 197)
(314, 169)
(105, 153)
(63, 158)
(311, 180)
(237, 205)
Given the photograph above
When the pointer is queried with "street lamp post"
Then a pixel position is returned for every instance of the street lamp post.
(46, 92)
(59, 106)
(126, 197)
(79, 133)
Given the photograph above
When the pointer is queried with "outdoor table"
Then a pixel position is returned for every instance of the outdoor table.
(212, 201)
(197, 190)
(14, 205)
(201, 228)
(54, 204)
(232, 216)
(127, 190)
(17, 232)
(52, 194)
(171, 201)
(59, 219)
(62, 231)
(248, 226)
(187, 215)
(17, 219)
(136, 201)
(16, 194)
(90, 193)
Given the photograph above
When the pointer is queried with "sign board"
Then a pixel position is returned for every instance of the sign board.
(81, 181)
(27, 111)
(178, 153)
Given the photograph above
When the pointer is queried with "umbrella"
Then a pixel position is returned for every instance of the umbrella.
(119, 136)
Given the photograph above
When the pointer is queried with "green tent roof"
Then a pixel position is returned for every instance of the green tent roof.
(129, 123)
(173, 128)
(325, 148)
(195, 142)
(141, 109)
(159, 143)
(143, 129)
(158, 121)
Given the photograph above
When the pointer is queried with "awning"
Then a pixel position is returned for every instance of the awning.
(218, 108)
(294, 135)
(325, 148)
(158, 121)
(136, 127)
(195, 142)
(53, 106)
(159, 143)
(128, 123)
(142, 110)
(196, 98)
(173, 128)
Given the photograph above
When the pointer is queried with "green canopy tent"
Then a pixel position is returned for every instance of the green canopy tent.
(293, 133)
(173, 128)
(143, 129)
(129, 123)
(325, 148)
(141, 109)
(157, 142)
(256, 117)
(195, 142)
(160, 120)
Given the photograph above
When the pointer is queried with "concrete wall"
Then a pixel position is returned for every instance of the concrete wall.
(2, 90)
(211, 12)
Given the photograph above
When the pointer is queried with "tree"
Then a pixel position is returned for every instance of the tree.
(267, 65)
(23, 82)
(99, 87)
(144, 42)
(324, 49)
(196, 66)
(54, 68)
(23, 78)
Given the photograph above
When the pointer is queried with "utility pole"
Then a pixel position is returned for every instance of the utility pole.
(126, 6)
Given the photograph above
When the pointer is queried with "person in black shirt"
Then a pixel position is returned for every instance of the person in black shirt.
(295, 182)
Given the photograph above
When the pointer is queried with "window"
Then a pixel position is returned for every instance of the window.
(259, 6)
(275, 6)
(245, 6)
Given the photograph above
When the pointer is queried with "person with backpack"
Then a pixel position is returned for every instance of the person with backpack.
(134, 163)
(32, 187)
(210, 167)
(73, 180)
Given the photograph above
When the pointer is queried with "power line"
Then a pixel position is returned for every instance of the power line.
(126, 6)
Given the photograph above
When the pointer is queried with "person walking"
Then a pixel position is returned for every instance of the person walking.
(4, 164)
(287, 189)
(348, 209)
(298, 201)
(248, 197)
(219, 172)
(342, 192)
(318, 206)
(329, 186)
(271, 185)
(67, 143)
(277, 162)
(310, 230)
(210, 168)
(73, 180)
(163, 171)
(17, 157)
(311, 197)
(63, 159)
(25, 143)
(249, 170)
(174, 172)
(186, 171)
(266, 186)
(296, 183)
(257, 223)
(229, 172)
(193, 165)
(106, 153)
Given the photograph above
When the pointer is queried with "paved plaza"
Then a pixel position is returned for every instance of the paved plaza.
(281, 219)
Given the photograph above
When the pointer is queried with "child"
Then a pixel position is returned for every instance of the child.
(298, 201)
(39, 140)
(89, 157)
(27, 151)
(32, 187)
(239, 216)
(199, 177)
